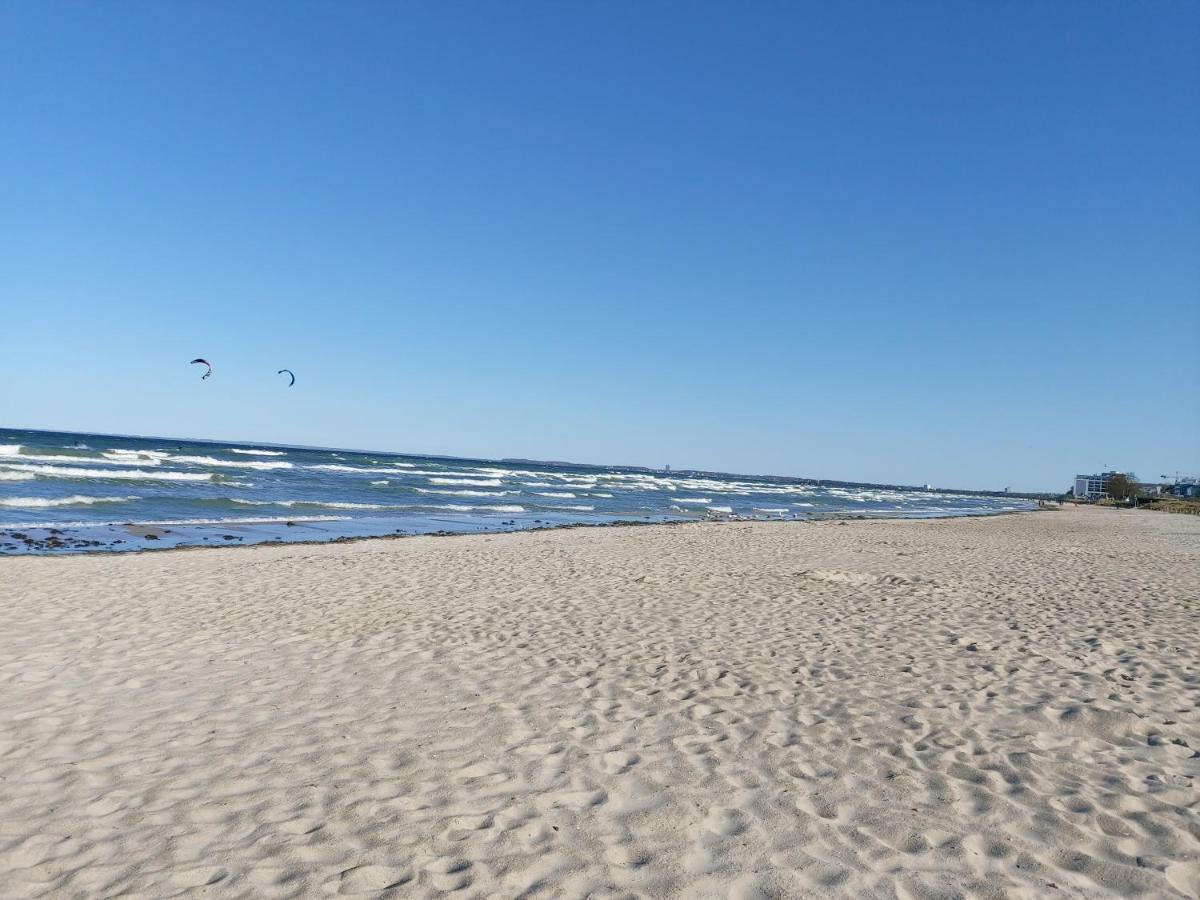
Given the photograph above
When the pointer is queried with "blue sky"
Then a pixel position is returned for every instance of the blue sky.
(932, 242)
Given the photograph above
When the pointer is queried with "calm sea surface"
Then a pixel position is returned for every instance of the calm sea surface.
(66, 492)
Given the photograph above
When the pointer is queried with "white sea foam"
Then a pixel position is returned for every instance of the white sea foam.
(558, 495)
(76, 500)
(71, 458)
(361, 470)
(91, 460)
(728, 510)
(537, 484)
(574, 508)
(16, 476)
(234, 463)
(770, 511)
(468, 482)
(384, 481)
(329, 504)
(605, 496)
(121, 452)
(695, 501)
(112, 474)
(466, 493)
(339, 504)
(257, 452)
(803, 504)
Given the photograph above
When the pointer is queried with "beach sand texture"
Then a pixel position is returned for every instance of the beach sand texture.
(1000, 707)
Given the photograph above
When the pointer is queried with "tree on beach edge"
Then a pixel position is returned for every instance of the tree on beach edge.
(1122, 487)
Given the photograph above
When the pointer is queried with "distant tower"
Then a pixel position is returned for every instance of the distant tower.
(666, 470)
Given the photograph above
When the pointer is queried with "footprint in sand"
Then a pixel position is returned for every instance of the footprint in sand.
(201, 876)
(369, 879)
(450, 873)
(619, 761)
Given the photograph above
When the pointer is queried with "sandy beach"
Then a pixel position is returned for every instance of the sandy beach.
(984, 707)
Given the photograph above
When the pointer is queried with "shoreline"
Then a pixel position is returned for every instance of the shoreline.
(41, 547)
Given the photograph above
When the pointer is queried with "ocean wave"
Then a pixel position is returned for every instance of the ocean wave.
(342, 504)
(327, 504)
(770, 511)
(384, 481)
(728, 510)
(257, 452)
(339, 504)
(466, 493)
(234, 463)
(16, 476)
(256, 520)
(76, 500)
(558, 495)
(574, 508)
(605, 496)
(110, 474)
(7, 451)
(695, 501)
(121, 452)
(467, 482)
(362, 470)
(536, 484)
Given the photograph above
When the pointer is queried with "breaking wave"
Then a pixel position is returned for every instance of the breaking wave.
(362, 470)
(110, 474)
(466, 493)
(235, 463)
(76, 500)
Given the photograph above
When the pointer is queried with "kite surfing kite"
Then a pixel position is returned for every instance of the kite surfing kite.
(203, 362)
(290, 373)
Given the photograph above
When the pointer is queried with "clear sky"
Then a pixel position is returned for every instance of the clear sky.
(943, 242)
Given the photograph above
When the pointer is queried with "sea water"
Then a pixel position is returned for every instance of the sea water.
(68, 492)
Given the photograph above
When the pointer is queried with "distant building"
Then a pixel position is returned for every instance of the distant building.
(1093, 487)
(1185, 489)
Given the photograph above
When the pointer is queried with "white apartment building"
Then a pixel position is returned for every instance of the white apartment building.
(1092, 487)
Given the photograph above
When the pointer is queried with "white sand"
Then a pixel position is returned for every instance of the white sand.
(986, 708)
